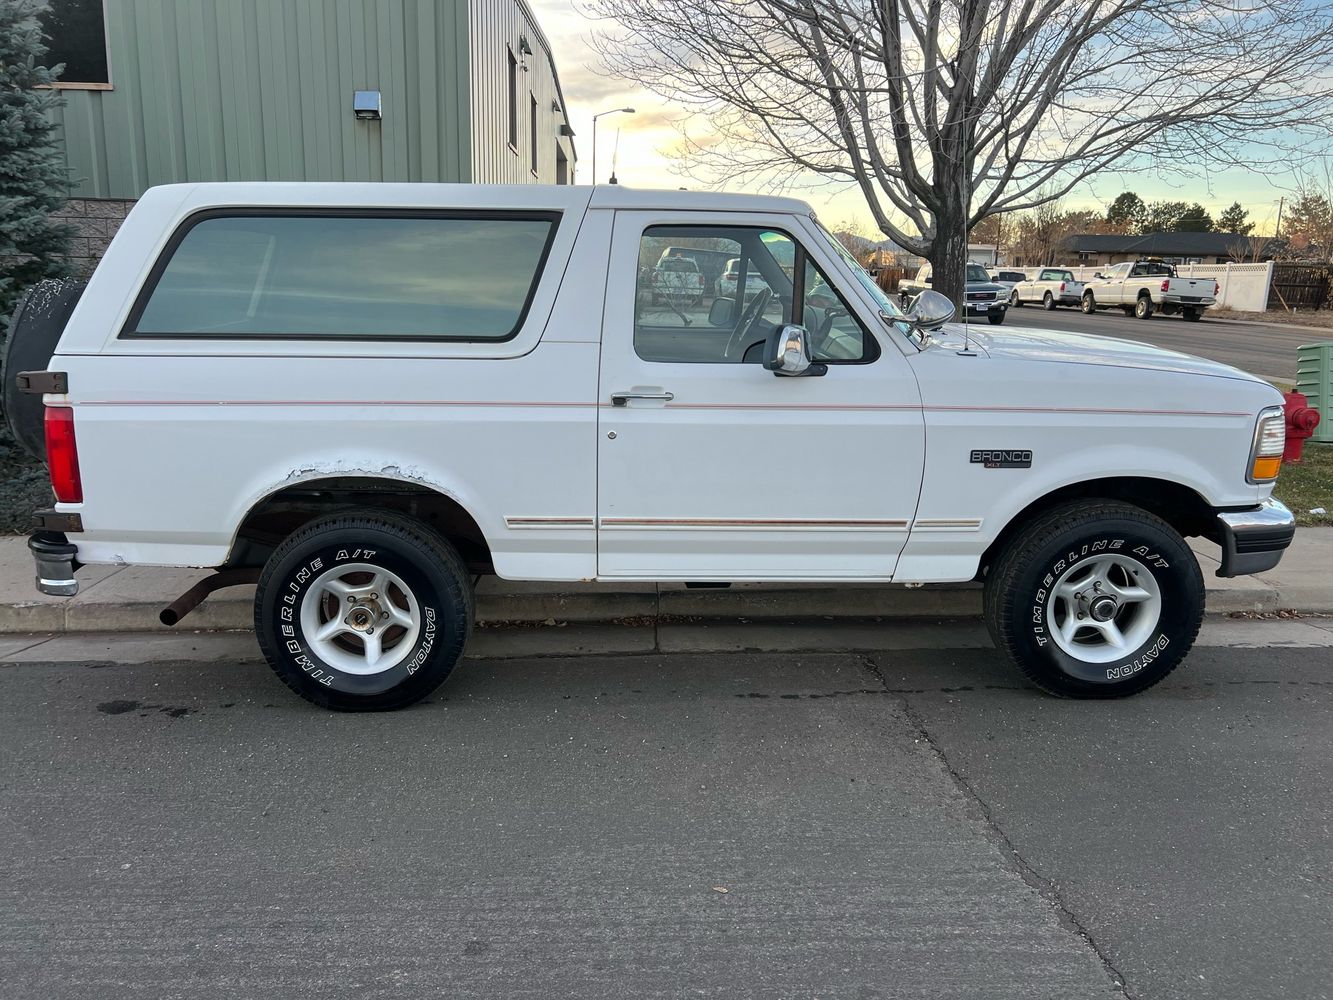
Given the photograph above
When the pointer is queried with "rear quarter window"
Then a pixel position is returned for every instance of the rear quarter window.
(346, 275)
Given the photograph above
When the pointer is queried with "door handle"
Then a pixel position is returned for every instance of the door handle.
(621, 398)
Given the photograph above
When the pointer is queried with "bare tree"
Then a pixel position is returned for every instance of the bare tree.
(1250, 249)
(945, 111)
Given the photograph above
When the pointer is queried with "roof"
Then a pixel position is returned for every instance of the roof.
(1159, 244)
(375, 194)
(620, 196)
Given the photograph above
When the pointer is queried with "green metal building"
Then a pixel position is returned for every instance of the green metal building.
(163, 91)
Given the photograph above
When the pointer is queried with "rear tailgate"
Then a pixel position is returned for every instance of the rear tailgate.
(1191, 289)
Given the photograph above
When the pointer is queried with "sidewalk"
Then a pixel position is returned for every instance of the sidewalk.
(128, 598)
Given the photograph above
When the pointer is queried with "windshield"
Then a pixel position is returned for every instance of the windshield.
(975, 272)
(887, 305)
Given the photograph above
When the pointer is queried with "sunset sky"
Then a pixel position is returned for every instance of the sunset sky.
(649, 142)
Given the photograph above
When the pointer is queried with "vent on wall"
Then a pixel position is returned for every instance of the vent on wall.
(366, 105)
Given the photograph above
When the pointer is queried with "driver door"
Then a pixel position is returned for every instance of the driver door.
(711, 467)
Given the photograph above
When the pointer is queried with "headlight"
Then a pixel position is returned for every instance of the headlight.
(1270, 439)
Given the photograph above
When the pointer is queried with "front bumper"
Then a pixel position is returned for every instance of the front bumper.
(56, 560)
(1254, 540)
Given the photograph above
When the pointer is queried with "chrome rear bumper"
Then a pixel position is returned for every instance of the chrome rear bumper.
(56, 561)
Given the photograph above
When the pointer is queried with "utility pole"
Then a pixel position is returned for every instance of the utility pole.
(1277, 229)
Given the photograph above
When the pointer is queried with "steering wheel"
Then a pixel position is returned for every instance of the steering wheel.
(736, 343)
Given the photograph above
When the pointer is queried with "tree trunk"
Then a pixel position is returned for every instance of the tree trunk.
(948, 258)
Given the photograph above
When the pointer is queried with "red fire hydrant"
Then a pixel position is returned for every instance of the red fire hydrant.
(1302, 419)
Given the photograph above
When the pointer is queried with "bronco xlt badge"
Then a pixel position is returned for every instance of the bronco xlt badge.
(1008, 458)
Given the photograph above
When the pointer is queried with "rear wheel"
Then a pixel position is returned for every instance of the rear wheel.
(1095, 599)
(1088, 304)
(363, 611)
(1193, 315)
(1143, 307)
(1048, 302)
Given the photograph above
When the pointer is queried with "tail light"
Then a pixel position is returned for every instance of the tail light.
(1166, 284)
(1217, 289)
(1062, 286)
(62, 454)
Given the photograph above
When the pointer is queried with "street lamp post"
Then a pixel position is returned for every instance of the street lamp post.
(613, 111)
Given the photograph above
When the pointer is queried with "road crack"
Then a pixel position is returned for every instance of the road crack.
(1044, 887)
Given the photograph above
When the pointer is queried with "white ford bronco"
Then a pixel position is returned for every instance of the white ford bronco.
(363, 396)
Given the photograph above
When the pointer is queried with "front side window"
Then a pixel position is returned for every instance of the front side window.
(75, 33)
(712, 295)
(345, 276)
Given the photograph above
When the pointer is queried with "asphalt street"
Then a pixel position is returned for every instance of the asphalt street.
(1262, 350)
(911, 823)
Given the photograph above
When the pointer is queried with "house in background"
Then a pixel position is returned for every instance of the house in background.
(1177, 248)
(162, 92)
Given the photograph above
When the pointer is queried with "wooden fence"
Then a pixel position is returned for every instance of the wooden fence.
(1301, 286)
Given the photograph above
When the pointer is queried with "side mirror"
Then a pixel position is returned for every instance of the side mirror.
(930, 309)
(722, 313)
(787, 352)
(1099, 276)
(926, 280)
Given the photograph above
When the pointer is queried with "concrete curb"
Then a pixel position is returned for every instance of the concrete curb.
(1326, 331)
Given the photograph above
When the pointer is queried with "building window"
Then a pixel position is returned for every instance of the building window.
(75, 33)
(513, 102)
(561, 167)
(324, 275)
(533, 137)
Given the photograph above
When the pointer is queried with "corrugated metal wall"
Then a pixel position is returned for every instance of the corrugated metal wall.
(497, 27)
(262, 90)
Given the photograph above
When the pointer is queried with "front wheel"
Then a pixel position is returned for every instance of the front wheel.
(363, 611)
(995, 318)
(1014, 301)
(1095, 599)
(1088, 304)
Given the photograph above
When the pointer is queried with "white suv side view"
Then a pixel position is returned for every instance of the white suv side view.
(362, 396)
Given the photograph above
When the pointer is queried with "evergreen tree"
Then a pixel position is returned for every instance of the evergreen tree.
(1128, 212)
(1233, 221)
(1164, 216)
(1194, 219)
(33, 181)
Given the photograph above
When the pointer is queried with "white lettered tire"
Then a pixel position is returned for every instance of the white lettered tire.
(363, 611)
(1095, 599)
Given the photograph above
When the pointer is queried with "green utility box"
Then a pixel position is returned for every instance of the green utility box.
(1314, 377)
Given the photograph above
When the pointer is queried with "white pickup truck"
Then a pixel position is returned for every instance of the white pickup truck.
(362, 396)
(1052, 286)
(1146, 287)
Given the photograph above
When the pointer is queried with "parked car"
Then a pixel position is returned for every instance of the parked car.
(1146, 287)
(361, 397)
(1053, 286)
(711, 262)
(726, 285)
(1007, 277)
(677, 280)
(984, 297)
